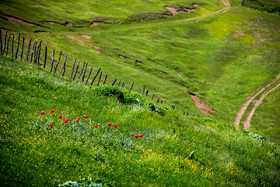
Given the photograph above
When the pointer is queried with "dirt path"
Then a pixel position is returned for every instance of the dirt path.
(202, 106)
(246, 124)
(81, 41)
(264, 91)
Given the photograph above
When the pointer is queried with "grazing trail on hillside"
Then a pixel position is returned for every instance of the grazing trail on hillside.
(264, 91)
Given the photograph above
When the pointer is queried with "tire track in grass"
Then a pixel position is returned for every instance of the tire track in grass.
(264, 90)
(246, 124)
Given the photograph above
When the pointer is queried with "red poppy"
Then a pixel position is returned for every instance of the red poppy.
(42, 113)
(66, 120)
(136, 136)
(85, 116)
(60, 117)
(110, 124)
(140, 135)
(52, 111)
(78, 119)
(115, 125)
(51, 125)
(96, 126)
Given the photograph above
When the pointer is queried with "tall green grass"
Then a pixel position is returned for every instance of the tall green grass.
(174, 150)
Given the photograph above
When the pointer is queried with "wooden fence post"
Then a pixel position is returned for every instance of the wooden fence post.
(4, 42)
(143, 90)
(83, 77)
(88, 76)
(122, 85)
(64, 66)
(32, 50)
(7, 44)
(119, 82)
(95, 76)
(158, 100)
(173, 106)
(35, 53)
(73, 69)
(131, 86)
(147, 93)
(161, 101)
(152, 96)
(99, 78)
(52, 60)
(46, 51)
(28, 49)
(17, 46)
(22, 48)
(39, 53)
(13, 47)
(105, 79)
(76, 70)
(1, 40)
(57, 62)
(81, 71)
(114, 82)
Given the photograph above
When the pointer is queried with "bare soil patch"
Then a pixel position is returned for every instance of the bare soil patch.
(122, 57)
(18, 21)
(95, 23)
(202, 106)
(81, 41)
(67, 24)
(86, 37)
(182, 9)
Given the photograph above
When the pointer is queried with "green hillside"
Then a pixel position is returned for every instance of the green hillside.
(174, 149)
(215, 61)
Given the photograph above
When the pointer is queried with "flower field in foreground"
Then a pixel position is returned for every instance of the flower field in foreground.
(54, 131)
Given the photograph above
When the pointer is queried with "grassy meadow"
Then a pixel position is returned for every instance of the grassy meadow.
(219, 53)
(174, 149)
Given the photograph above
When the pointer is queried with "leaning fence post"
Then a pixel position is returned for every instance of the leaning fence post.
(147, 92)
(32, 50)
(88, 76)
(83, 77)
(152, 96)
(52, 60)
(81, 71)
(57, 62)
(64, 66)
(95, 76)
(161, 101)
(27, 53)
(122, 85)
(114, 82)
(105, 80)
(76, 70)
(119, 82)
(143, 90)
(99, 78)
(73, 69)
(22, 48)
(158, 100)
(173, 106)
(4, 42)
(35, 53)
(46, 51)
(131, 86)
(8, 44)
(17, 46)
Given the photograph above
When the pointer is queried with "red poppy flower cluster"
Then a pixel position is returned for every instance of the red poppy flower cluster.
(60, 117)
(78, 119)
(115, 125)
(96, 126)
(42, 113)
(66, 120)
(138, 135)
(51, 125)
(52, 111)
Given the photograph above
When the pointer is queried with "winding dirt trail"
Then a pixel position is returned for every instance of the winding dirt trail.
(264, 91)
